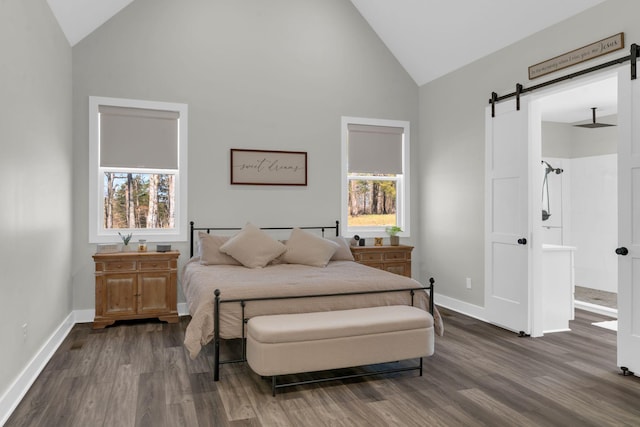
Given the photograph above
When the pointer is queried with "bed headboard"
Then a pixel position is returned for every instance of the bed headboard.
(193, 229)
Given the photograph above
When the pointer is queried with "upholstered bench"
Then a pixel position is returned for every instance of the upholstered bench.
(295, 343)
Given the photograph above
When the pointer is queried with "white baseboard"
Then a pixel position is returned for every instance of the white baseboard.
(10, 400)
(84, 316)
(477, 312)
(183, 310)
(605, 311)
(462, 307)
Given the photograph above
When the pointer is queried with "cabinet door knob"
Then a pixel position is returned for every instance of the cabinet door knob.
(522, 241)
(622, 251)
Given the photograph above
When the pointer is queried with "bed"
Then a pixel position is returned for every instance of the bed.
(310, 275)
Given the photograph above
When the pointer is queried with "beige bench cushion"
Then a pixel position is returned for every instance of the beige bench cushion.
(337, 324)
(294, 343)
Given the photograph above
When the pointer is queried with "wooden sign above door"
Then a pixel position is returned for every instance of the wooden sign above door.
(586, 53)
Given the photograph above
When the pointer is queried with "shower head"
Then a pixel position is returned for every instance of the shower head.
(593, 124)
(550, 169)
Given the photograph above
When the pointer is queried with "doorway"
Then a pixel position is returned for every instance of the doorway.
(578, 188)
(514, 297)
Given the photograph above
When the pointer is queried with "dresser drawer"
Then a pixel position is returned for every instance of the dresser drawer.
(369, 256)
(117, 266)
(403, 269)
(153, 265)
(396, 256)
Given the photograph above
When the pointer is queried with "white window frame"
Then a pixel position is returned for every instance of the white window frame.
(402, 181)
(97, 232)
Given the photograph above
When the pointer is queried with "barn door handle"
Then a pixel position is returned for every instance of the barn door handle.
(622, 251)
(522, 241)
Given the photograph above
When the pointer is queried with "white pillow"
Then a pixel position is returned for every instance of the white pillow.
(252, 247)
(344, 251)
(308, 249)
(210, 250)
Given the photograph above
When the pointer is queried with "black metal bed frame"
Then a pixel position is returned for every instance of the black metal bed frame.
(193, 229)
(243, 303)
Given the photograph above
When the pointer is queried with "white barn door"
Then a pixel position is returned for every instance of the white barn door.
(628, 222)
(507, 216)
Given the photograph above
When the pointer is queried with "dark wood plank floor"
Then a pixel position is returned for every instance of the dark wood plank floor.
(138, 374)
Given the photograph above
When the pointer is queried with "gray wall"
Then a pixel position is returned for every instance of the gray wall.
(557, 140)
(567, 141)
(255, 74)
(452, 109)
(35, 181)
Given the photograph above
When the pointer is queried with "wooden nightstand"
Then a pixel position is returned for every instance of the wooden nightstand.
(136, 285)
(396, 259)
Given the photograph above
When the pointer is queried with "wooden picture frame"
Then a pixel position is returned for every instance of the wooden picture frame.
(268, 167)
(576, 56)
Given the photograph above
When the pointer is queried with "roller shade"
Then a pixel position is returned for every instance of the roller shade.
(138, 138)
(375, 149)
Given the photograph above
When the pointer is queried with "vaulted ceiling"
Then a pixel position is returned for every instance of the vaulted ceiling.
(429, 38)
(79, 18)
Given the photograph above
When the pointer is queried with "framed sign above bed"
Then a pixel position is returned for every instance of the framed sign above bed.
(265, 167)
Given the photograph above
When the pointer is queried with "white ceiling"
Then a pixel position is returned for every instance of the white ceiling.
(79, 18)
(574, 105)
(430, 38)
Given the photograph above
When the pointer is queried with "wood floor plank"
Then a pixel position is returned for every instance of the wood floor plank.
(183, 413)
(589, 402)
(210, 410)
(65, 406)
(92, 407)
(151, 408)
(176, 378)
(500, 412)
(107, 364)
(122, 401)
(236, 403)
(362, 415)
(392, 415)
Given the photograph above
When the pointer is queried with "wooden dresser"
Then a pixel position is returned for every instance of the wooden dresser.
(136, 285)
(396, 259)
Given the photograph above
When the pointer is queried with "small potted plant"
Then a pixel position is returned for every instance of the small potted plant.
(393, 231)
(125, 241)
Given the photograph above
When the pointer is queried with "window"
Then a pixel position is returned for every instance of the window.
(375, 176)
(138, 176)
